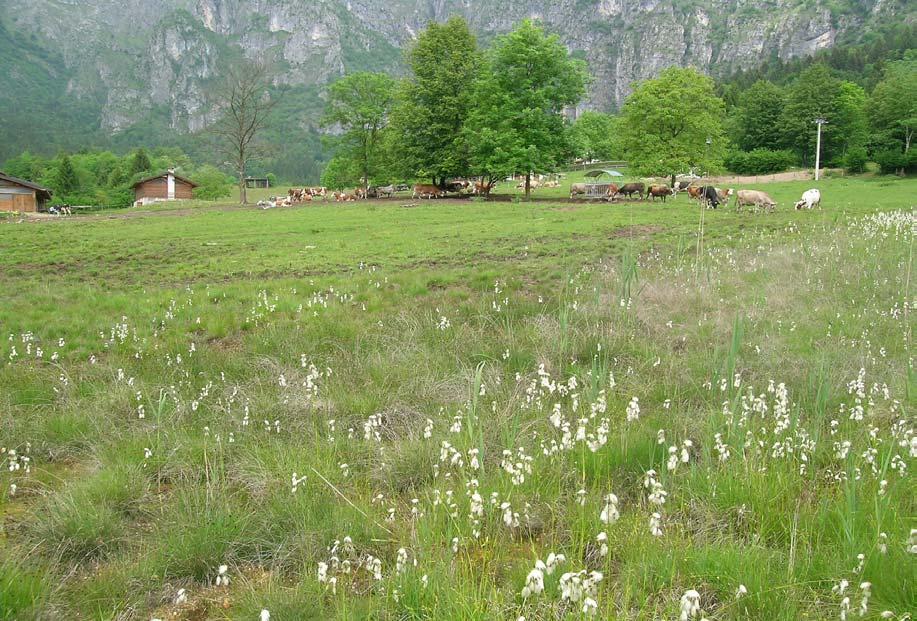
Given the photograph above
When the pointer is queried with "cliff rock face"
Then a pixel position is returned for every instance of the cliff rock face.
(139, 59)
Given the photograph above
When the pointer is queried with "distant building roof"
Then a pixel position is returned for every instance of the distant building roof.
(28, 184)
(165, 175)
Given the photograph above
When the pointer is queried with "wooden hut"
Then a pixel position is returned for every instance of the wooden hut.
(165, 187)
(257, 182)
(21, 195)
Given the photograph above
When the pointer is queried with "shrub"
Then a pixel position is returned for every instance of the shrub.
(760, 161)
(891, 162)
(855, 160)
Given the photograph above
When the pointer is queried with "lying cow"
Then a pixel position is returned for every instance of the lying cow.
(659, 191)
(316, 192)
(629, 189)
(423, 190)
(754, 198)
(810, 200)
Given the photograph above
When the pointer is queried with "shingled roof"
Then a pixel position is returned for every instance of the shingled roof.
(45, 192)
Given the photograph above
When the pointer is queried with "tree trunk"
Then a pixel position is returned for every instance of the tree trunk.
(673, 180)
(243, 191)
(528, 185)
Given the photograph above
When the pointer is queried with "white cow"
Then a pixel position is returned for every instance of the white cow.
(810, 200)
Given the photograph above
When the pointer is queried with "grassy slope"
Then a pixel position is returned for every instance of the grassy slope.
(802, 298)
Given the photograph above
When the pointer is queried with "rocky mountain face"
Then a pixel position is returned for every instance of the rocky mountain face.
(142, 59)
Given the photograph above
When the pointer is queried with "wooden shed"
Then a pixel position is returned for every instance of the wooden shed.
(21, 195)
(257, 182)
(165, 187)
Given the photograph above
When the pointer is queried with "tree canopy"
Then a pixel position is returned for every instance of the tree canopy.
(517, 123)
(432, 104)
(893, 107)
(594, 136)
(673, 124)
(359, 104)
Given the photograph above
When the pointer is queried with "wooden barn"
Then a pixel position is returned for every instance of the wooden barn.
(257, 182)
(165, 187)
(21, 195)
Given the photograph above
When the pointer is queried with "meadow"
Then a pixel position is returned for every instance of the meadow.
(462, 410)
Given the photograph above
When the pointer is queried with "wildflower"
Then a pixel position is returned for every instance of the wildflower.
(222, 578)
(741, 591)
(912, 542)
(602, 540)
(181, 597)
(534, 582)
(866, 588)
(401, 561)
(610, 513)
(883, 543)
(590, 606)
(656, 525)
(633, 410)
(690, 605)
(296, 481)
(265, 615)
(455, 545)
(323, 573)
(845, 608)
(553, 561)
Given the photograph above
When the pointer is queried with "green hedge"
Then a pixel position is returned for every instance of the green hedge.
(893, 162)
(760, 161)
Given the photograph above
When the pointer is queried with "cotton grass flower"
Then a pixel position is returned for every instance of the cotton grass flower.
(265, 615)
(690, 605)
(610, 514)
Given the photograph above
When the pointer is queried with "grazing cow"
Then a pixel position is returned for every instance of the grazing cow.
(724, 195)
(424, 190)
(709, 196)
(810, 200)
(659, 190)
(385, 190)
(577, 188)
(482, 188)
(456, 185)
(629, 189)
(610, 193)
(695, 192)
(755, 198)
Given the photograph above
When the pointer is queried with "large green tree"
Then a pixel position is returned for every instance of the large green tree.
(359, 105)
(594, 136)
(759, 111)
(517, 122)
(813, 95)
(67, 179)
(672, 124)
(433, 102)
(893, 107)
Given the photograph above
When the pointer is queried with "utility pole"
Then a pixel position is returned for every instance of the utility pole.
(819, 121)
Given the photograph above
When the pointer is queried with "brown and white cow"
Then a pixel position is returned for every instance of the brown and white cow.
(426, 190)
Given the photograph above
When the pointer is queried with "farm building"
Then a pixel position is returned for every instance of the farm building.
(257, 182)
(165, 187)
(21, 195)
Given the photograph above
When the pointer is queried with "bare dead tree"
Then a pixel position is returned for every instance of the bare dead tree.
(245, 105)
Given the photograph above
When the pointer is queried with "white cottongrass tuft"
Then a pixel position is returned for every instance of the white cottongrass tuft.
(690, 605)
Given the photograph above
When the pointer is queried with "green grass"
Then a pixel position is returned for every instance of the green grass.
(175, 398)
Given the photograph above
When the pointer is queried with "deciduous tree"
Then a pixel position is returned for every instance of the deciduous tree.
(517, 121)
(245, 105)
(893, 108)
(359, 105)
(433, 102)
(667, 122)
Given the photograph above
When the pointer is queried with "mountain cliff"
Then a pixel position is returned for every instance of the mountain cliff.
(126, 65)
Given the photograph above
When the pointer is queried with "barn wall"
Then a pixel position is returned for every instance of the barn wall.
(159, 188)
(155, 188)
(182, 190)
(15, 197)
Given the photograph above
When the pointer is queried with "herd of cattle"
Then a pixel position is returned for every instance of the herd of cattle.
(710, 196)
